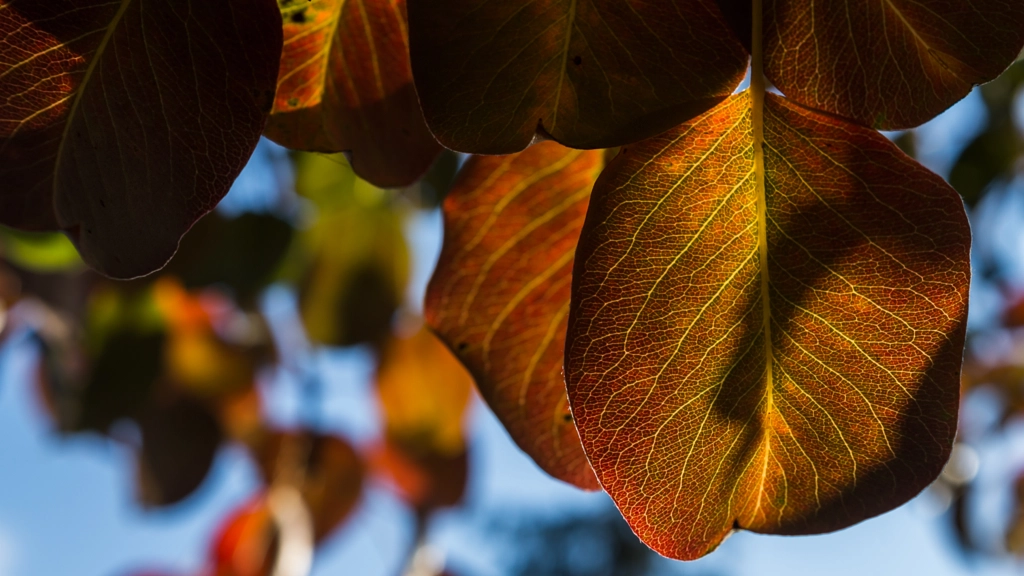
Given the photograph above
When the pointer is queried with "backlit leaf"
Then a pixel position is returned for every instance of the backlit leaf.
(346, 85)
(889, 64)
(500, 294)
(123, 122)
(782, 358)
(589, 73)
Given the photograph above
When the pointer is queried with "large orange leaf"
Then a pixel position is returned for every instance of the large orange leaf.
(890, 64)
(589, 73)
(346, 85)
(123, 122)
(500, 295)
(766, 341)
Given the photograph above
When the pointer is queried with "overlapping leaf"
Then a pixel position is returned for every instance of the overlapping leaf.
(346, 85)
(590, 73)
(500, 294)
(889, 64)
(774, 348)
(122, 123)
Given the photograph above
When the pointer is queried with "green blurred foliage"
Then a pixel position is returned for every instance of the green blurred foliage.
(351, 263)
(39, 251)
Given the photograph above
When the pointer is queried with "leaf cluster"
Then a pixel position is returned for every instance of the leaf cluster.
(728, 308)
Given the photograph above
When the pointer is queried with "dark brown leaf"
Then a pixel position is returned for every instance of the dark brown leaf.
(123, 122)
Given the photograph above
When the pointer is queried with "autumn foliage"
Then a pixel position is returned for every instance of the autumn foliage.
(730, 305)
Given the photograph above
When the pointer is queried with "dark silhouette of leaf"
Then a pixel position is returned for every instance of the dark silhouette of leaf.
(122, 379)
(180, 438)
(491, 74)
(121, 123)
(891, 64)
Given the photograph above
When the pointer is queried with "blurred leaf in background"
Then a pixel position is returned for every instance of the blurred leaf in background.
(352, 263)
(424, 392)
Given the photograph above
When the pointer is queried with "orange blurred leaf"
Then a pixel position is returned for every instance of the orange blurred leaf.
(244, 543)
(424, 480)
(1014, 314)
(499, 296)
(424, 391)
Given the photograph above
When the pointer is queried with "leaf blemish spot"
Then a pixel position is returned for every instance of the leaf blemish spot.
(577, 60)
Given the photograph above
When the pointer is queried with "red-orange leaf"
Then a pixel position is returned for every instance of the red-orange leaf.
(123, 122)
(500, 295)
(590, 73)
(769, 346)
(346, 85)
(244, 543)
(890, 64)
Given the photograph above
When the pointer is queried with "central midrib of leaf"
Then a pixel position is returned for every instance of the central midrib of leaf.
(757, 93)
(97, 56)
(563, 71)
